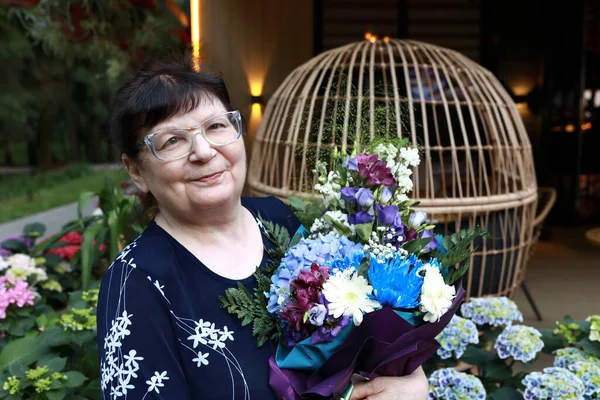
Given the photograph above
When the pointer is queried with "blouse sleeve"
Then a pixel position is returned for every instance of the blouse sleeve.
(139, 355)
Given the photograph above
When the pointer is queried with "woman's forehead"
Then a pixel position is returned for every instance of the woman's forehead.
(206, 109)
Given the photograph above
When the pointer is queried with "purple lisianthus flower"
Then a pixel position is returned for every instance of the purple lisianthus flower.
(433, 244)
(386, 215)
(331, 326)
(417, 218)
(360, 217)
(386, 195)
(411, 233)
(364, 163)
(351, 164)
(365, 197)
(349, 194)
(317, 315)
(5, 252)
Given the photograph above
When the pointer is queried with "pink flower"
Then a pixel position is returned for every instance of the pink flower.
(14, 291)
(375, 171)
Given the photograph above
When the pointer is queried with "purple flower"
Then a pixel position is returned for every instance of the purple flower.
(365, 197)
(317, 314)
(386, 195)
(360, 217)
(417, 218)
(387, 215)
(433, 244)
(349, 194)
(351, 164)
(28, 242)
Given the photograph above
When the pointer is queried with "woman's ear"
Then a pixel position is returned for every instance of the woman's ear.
(134, 171)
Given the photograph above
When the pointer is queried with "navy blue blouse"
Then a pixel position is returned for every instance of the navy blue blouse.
(161, 331)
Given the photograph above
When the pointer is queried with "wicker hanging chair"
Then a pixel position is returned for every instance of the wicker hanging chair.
(477, 164)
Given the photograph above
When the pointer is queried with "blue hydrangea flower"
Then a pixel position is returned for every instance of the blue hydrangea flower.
(456, 336)
(553, 384)
(302, 256)
(495, 311)
(396, 280)
(589, 373)
(449, 384)
(565, 358)
(523, 343)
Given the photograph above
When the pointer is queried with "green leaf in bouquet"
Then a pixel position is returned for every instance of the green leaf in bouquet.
(74, 379)
(415, 246)
(363, 269)
(363, 231)
(52, 259)
(278, 235)
(343, 229)
(584, 327)
(454, 274)
(34, 230)
(16, 330)
(56, 364)
(14, 245)
(506, 393)
(296, 204)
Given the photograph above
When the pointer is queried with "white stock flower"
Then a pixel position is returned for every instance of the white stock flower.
(436, 296)
(410, 156)
(347, 295)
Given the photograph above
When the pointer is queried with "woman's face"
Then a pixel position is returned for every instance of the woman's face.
(205, 179)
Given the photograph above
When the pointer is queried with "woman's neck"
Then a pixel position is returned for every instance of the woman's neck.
(226, 221)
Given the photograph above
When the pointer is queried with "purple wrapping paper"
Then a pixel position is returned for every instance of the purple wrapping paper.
(383, 345)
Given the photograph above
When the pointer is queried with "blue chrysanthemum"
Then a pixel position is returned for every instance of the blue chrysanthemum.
(553, 384)
(495, 311)
(396, 280)
(302, 256)
(523, 343)
(456, 336)
(448, 383)
(350, 261)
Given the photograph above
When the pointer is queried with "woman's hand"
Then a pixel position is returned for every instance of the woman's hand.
(411, 387)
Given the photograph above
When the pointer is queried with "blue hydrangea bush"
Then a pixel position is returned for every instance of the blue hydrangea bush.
(487, 353)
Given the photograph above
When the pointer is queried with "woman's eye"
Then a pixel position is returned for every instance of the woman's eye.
(172, 140)
(216, 125)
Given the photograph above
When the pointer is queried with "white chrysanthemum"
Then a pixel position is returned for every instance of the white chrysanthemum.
(436, 296)
(347, 295)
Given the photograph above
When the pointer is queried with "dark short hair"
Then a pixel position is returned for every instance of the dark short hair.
(162, 89)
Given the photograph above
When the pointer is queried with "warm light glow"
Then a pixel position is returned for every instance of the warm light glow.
(373, 39)
(386, 39)
(195, 16)
(178, 13)
(255, 118)
(256, 87)
(521, 90)
(570, 128)
(586, 127)
(368, 35)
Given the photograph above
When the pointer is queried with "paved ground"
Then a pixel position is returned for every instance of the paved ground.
(54, 219)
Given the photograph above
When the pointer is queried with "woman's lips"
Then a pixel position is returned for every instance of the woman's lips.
(210, 178)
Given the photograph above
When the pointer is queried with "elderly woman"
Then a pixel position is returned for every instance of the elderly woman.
(161, 331)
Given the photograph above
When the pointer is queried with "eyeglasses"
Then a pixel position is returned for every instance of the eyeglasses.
(172, 144)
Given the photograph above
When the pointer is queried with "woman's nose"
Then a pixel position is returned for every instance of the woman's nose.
(201, 150)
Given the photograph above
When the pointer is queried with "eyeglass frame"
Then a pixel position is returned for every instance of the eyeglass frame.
(148, 139)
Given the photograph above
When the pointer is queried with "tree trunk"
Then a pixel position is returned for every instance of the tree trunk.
(44, 140)
(74, 142)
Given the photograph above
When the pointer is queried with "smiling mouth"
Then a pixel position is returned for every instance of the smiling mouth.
(210, 178)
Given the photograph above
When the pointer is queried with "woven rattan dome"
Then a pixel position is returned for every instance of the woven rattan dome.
(477, 163)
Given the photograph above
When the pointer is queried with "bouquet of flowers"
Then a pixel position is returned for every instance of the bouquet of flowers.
(366, 291)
